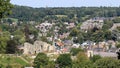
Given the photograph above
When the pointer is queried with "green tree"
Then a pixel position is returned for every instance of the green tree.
(41, 60)
(11, 47)
(118, 45)
(108, 35)
(4, 38)
(19, 36)
(1, 66)
(98, 36)
(95, 58)
(74, 32)
(81, 57)
(116, 20)
(43, 38)
(75, 51)
(82, 61)
(51, 64)
(107, 63)
(80, 38)
(5, 8)
(107, 24)
(64, 60)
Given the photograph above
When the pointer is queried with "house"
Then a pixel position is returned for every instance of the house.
(90, 53)
(107, 45)
(106, 54)
(31, 36)
(64, 35)
(70, 25)
(76, 45)
(115, 25)
(68, 42)
(58, 45)
(88, 44)
(44, 27)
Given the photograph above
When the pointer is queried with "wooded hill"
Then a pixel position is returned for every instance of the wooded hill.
(69, 14)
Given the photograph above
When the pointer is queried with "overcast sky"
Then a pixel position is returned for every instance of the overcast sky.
(66, 3)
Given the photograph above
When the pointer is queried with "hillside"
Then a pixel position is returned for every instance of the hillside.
(24, 13)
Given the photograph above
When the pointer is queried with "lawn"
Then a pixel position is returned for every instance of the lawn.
(26, 57)
(12, 60)
(61, 15)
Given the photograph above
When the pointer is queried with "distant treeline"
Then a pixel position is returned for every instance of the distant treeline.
(24, 13)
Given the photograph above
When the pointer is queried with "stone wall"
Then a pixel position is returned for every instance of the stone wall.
(37, 47)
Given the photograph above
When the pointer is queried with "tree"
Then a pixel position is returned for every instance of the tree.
(107, 63)
(1, 66)
(86, 64)
(4, 38)
(95, 58)
(11, 47)
(116, 20)
(118, 45)
(74, 32)
(108, 35)
(5, 8)
(64, 60)
(82, 61)
(80, 38)
(75, 51)
(107, 24)
(51, 64)
(98, 36)
(81, 57)
(19, 36)
(44, 39)
(41, 60)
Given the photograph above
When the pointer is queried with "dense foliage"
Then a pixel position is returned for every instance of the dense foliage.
(75, 51)
(64, 60)
(107, 63)
(71, 14)
(79, 61)
(5, 8)
(41, 60)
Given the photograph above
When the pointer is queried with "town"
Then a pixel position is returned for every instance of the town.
(66, 37)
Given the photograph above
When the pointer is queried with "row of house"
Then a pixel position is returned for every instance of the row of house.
(44, 27)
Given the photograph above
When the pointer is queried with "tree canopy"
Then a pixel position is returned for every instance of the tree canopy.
(5, 8)
(107, 63)
(41, 60)
(64, 60)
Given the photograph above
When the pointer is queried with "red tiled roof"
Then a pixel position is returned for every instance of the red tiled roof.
(60, 44)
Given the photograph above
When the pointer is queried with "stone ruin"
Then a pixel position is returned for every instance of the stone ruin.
(37, 47)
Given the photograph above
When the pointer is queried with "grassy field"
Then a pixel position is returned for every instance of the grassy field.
(27, 58)
(61, 15)
(13, 61)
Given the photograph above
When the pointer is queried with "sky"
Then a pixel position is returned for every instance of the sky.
(66, 3)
